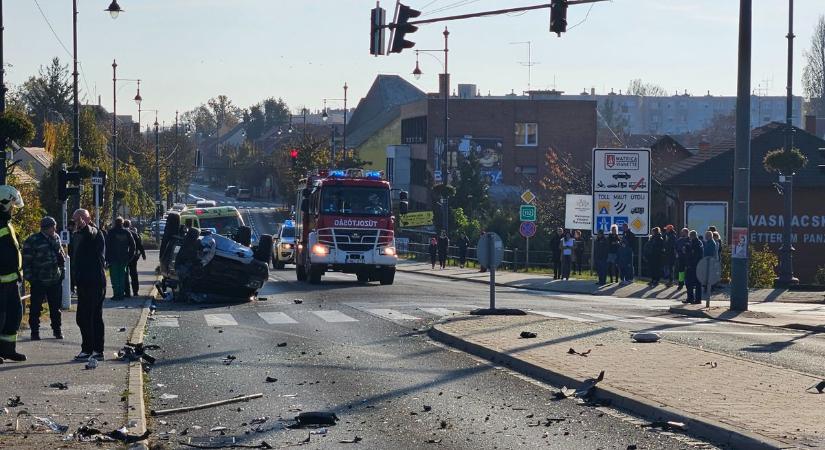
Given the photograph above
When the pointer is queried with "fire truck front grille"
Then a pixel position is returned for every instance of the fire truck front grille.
(355, 247)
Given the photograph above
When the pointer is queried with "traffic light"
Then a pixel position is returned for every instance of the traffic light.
(822, 157)
(65, 177)
(558, 16)
(378, 18)
(293, 155)
(402, 28)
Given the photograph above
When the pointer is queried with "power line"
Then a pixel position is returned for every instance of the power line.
(52, 28)
(451, 6)
(585, 17)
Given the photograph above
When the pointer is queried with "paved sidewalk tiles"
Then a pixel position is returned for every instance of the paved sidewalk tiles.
(764, 403)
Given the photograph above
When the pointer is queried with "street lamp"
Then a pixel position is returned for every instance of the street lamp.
(325, 117)
(445, 85)
(115, 161)
(114, 9)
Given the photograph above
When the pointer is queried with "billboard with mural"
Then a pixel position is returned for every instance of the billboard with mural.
(488, 150)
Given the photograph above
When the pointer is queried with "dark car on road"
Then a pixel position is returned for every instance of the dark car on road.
(621, 175)
(231, 191)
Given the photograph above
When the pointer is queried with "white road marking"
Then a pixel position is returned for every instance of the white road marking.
(276, 318)
(441, 312)
(219, 320)
(738, 333)
(391, 314)
(608, 317)
(663, 320)
(556, 315)
(171, 322)
(334, 316)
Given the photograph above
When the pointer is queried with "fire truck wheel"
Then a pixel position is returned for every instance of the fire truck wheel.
(264, 250)
(387, 276)
(314, 274)
(363, 277)
(300, 272)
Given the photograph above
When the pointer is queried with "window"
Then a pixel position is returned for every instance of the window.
(527, 134)
(418, 172)
(356, 201)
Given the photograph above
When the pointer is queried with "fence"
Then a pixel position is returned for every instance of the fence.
(514, 259)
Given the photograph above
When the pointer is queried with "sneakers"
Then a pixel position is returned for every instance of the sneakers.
(98, 356)
(82, 356)
(57, 334)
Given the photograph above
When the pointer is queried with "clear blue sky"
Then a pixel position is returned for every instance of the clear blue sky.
(187, 51)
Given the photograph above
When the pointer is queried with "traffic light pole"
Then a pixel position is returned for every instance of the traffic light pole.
(445, 172)
(498, 12)
(742, 158)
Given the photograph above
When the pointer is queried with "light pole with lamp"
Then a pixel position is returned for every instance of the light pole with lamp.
(157, 175)
(325, 117)
(115, 161)
(445, 87)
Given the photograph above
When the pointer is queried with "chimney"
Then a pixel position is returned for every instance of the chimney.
(593, 91)
(810, 124)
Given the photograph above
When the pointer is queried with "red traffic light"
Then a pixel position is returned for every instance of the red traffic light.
(293, 153)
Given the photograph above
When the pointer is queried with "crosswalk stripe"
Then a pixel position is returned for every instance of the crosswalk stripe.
(664, 320)
(171, 322)
(391, 314)
(276, 318)
(441, 312)
(561, 316)
(615, 318)
(219, 320)
(334, 316)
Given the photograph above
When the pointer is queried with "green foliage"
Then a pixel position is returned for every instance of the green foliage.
(471, 190)
(725, 263)
(48, 96)
(27, 218)
(16, 126)
(761, 271)
(463, 224)
(784, 162)
(820, 275)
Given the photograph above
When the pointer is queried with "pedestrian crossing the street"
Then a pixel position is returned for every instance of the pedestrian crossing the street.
(402, 314)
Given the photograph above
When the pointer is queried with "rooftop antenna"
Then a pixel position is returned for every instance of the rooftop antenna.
(529, 63)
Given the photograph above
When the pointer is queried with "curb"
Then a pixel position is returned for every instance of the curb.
(135, 407)
(701, 314)
(698, 426)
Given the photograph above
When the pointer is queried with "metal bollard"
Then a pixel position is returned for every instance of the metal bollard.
(67, 287)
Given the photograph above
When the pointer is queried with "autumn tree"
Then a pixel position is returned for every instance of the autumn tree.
(639, 87)
(813, 75)
(563, 176)
(48, 96)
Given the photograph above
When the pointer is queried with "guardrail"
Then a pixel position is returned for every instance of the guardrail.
(514, 259)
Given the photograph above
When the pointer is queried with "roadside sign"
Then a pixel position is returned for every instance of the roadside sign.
(416, 219)
(527, 229)
(486, 257)
(621, 189)
(578, 212)
(527, 213)
(528, 197)
(739, 242)
(97, 180)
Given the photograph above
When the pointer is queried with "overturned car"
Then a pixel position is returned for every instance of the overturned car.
(205, 266)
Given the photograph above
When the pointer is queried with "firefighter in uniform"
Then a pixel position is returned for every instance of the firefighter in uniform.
(11, 261)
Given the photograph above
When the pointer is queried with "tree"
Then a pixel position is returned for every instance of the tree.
(226, 113)
(813, 75)
(639, 87)
(48, 96)
(201, 119)
(254, 122)
(471, 190)
(276, 112)
(563, 177)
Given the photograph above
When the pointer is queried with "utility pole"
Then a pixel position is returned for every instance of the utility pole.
(76, 109)
(445, 171)
(786, 277)
(157, 178)
(177, 160)
(742, 159)
(114, 140)
(2, 100)
(345, 119)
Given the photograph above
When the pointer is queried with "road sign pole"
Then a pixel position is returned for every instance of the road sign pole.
(96, 187)
(492, 251)
(527, 257)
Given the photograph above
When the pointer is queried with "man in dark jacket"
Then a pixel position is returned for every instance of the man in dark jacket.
(555, 252)
(443, 248)
(654, 249)
(120, 250)
(463, 243)
(44, 269)
(669, 257)
(694, 254)
(88, 266)
(139, 252)
(11, 308)
(600, 249)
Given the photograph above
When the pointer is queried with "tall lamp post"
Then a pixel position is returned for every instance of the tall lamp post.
(325, 117)
(157, 175)
(2, 100)
(786, 277)
(445, 87)
(115, 161)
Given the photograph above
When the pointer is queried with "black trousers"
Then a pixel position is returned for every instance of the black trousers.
(132, 277)
(11, 311)
(556, 266)
(53, 294)
(90, 316)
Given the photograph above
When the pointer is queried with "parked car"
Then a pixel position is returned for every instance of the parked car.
(283, 245)
(203, 266)
(206, 204)
(178, 207)
(244, 194)
(231, 191)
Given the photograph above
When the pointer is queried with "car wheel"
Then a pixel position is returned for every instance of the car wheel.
(387, 276)
(363, 277)
(300, 273)
(264, 250)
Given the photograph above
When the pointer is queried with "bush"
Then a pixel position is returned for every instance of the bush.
(761, 272)
(725, 263)
(820, 275)
(784, 162)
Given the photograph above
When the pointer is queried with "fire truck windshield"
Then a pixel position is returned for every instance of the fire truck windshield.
(355, 201)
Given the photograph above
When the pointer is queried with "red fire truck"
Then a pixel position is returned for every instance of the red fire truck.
(344, 223)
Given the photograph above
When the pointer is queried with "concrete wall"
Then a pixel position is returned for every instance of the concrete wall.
(374, 149)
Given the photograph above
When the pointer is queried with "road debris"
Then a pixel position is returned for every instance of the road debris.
(711, 364)
(297, 301)
(573, 351)
(259, 420)
(242, 398)
(820, 387)
(214, 429)
(314, 418)
(52, 424)
(263, 444)
(667, 426)
(59, 386)
(646, 337)
(583, 392)
(281, 344)
(354, 440)
(14, 402)
(168, 396)
(527, 335)
(271, 379)
(428, 408)
(122, 329)
(91, 364)
(320, 431)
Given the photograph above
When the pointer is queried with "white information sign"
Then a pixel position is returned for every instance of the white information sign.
(578, 212)
(621, 189)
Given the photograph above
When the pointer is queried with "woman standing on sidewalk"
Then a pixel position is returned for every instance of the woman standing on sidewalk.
(612, 253)
(567, 243)
(463, 243)
(433, 250)
(443, 247)
(578, 252)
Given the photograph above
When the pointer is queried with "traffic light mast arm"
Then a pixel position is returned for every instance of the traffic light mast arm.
(495, 12)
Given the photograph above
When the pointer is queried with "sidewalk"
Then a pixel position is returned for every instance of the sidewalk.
(737, 402)
(93, 397)
(544, 282)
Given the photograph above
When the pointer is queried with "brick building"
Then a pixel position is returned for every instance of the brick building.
(707, 178)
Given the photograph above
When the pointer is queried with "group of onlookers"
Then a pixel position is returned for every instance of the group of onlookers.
(40, 260)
